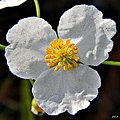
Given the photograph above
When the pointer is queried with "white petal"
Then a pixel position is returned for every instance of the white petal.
(57, 92)
(29, 38)
(85, 27)
(25, 63)
(32, 32)
(109, 27)
(10, 3)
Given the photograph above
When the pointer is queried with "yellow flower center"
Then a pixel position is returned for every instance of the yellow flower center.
(62, 54)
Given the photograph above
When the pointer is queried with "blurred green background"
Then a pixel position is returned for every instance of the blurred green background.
(15, 94)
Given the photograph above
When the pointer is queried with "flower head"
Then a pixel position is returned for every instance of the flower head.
(64, 81)
(10, 3)
(62, 54)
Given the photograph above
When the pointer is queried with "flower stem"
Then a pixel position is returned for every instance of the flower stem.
(25, 98)
(2, 47)
(31, 81)
(112, 63)
(37, 8)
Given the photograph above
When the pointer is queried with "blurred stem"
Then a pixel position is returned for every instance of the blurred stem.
(26, 98)
(32, 82)
(112, 63)
(37, 8)
(2, 47)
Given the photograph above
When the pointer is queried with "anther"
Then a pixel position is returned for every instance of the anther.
(48, 60)
(57, 67)
(75, 63)
(48, 50)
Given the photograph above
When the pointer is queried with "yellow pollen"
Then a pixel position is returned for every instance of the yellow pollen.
(62, 54)
(57, 67)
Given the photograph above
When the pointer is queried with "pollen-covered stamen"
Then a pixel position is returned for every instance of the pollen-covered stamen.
(62, 54)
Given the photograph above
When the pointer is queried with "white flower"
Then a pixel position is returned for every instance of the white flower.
(72, 87)
(10, 3)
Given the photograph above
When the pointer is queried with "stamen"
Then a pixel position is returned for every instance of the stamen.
(75, 63)
(47, 57)
(69, 66)
(76, 58)
(48, 50)
(57, 67)
(62, 54)
(67, 41)
(65, 67)
(48, 60)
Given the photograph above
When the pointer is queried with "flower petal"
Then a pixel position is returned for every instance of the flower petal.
(85, 27)
(29, 38)
(25, 63)
(72, 90)
(10, 3)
